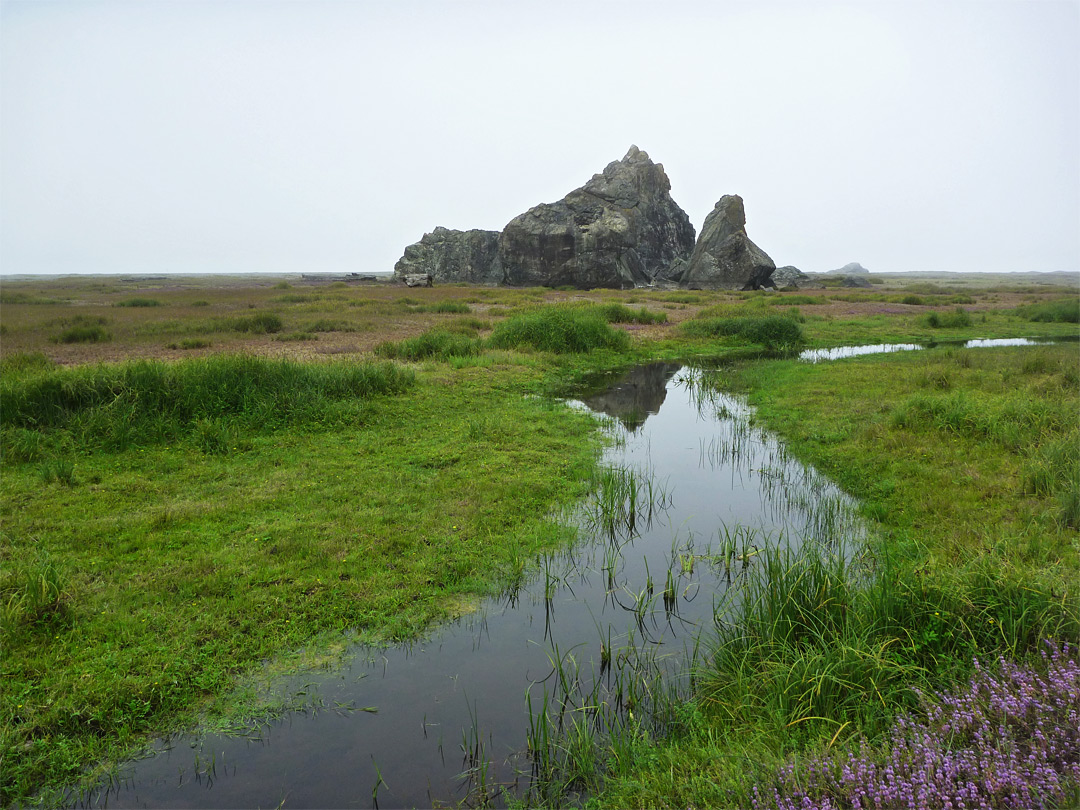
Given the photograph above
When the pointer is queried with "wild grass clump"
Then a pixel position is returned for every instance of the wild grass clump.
(1009, 739)
(620, 313)
(438, 344)
(956, 319)
(445, 308)
(813, 637)
(33, 595)
(20, 362)
(138, 302)
(775, 332)
(117, 406)
(1064, 310)
(83, 329)
(191, 343)
(558, 329)
(262, 323)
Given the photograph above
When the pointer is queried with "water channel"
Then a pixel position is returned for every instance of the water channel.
(692, 493)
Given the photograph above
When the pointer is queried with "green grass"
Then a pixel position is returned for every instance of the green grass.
(82, 329)
(972, 558)
(138, 302)
(775, 332)
(558, 329)
(139, 403)
(183, 569)
(169, 527)
(438, 344)
(1064, 310)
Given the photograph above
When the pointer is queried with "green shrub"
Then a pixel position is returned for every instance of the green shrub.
(1063, 310)
(912, 300)
(559, 329)
(438, 344)
(138, 302)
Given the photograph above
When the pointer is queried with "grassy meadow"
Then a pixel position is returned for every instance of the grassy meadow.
(213, 482)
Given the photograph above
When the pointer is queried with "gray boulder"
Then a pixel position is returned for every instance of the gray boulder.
(417, 279)
(619, 230)
(789, 276)
(724, 257)
(448, 256)
(856, 281)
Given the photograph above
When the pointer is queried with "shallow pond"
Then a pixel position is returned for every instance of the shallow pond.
(691, 491)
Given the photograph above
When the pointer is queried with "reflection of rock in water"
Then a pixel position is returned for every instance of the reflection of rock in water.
(636, 395)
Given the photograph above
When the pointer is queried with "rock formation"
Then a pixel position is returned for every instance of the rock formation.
(790, 276)
(852, 269)
(448, 256)
(619, 230)
(724, 257)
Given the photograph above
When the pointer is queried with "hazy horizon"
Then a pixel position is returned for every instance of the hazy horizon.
(232, 136)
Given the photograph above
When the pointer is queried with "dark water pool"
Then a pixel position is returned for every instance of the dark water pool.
(693, 491)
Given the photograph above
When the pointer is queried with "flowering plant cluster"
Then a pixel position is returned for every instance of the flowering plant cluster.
(1010, 740)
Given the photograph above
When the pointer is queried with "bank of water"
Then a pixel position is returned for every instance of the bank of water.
(691, 492)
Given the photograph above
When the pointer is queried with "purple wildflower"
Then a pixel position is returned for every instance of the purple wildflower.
(1010, 740)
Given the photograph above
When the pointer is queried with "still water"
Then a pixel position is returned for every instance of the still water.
(817, 355)
(693, 491)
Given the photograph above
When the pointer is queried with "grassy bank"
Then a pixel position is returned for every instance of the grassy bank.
(222, 496)
(966, 462)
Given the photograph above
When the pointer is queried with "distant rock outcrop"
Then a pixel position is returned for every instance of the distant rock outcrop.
(789, 276)
(856, 281)
(448, 256)
(724, 257)
(619, 230)
(852, 269)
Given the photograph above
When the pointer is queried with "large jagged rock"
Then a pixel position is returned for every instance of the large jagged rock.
(724, 257)
(448, 256)
(619, 230)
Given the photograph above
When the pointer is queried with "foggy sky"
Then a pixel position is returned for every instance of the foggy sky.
(148, 137)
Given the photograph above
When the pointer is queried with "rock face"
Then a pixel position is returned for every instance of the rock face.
(447, 256)
(619, 230)
(790, 276)
(852, 269)
(724, 257)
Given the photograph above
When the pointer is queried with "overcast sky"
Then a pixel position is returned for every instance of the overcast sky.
(250, 135)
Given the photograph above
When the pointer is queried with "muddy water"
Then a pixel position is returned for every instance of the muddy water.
(695, 491)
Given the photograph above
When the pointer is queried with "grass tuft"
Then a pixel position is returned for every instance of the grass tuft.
(558, 329)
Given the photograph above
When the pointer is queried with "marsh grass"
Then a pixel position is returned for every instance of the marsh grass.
(1064, 310)
(558, 329)
(775, 332)
(437, 344)
(138, 302)
(117, 406)
(34, 596)
(84, 329)
(957, 319)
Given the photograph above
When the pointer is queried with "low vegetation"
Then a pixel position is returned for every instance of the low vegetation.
(173, 521)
